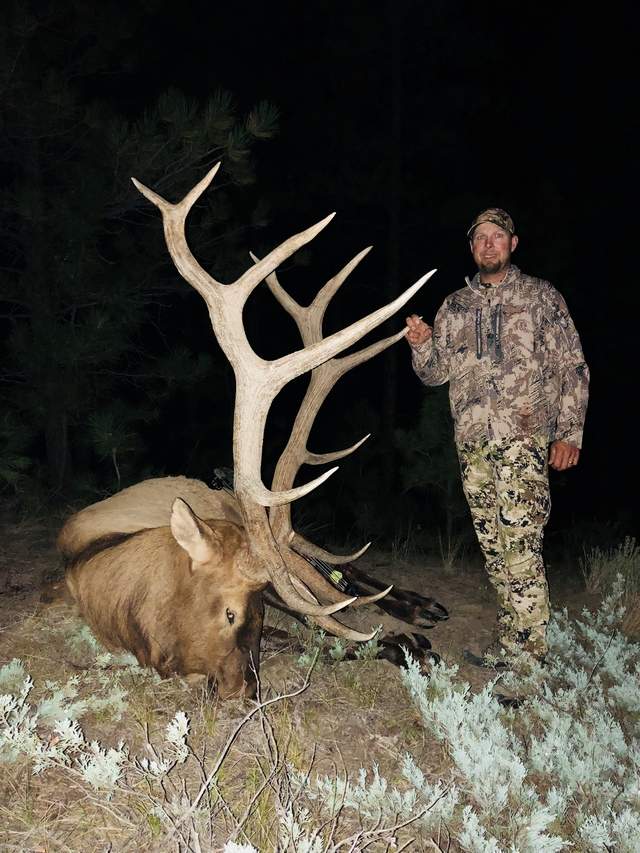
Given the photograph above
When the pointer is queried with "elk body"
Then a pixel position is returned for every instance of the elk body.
(174, 571)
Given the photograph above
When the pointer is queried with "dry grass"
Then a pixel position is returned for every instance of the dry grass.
(601, 567)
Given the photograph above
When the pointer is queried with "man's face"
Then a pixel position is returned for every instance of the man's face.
(491, 247)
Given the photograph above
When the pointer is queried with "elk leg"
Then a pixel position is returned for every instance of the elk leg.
(391, 644)
(411, 607)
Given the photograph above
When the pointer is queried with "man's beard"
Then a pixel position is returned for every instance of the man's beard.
(493, 267)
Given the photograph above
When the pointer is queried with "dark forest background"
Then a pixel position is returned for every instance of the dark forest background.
(406, 118)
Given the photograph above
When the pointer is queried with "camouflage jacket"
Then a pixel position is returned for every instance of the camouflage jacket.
(513, 360)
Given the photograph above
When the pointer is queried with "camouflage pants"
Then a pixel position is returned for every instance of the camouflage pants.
(507, 487)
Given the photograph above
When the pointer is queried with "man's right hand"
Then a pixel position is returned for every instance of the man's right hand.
(417, 331)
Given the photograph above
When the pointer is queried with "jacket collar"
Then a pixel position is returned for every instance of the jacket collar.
(511, 275)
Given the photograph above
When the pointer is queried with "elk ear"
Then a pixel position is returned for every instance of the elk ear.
(192, 534)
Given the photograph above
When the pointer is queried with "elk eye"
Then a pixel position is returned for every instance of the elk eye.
(231, 616)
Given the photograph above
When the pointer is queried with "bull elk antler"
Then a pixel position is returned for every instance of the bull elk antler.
(258, 381)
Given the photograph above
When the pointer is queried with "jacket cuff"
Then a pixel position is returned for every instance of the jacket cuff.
(574, 438)
(421, 353)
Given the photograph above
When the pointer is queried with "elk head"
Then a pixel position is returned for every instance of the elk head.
(220, 600)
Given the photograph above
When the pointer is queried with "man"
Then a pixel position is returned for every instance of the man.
(518, 388)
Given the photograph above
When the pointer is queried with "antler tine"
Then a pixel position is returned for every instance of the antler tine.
(285, 299)
(173, 221)
(303, 546)
(261, 269)
(348, 362)
(309, 319)
(334, 627)
(290, 593)
(187, 202)
(337, 629)
(311, 356)
(326, 294)
(324, 458)
(267, 497)
(300, 571)
(264, 567)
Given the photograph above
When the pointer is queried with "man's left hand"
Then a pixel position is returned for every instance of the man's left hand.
(563, 455)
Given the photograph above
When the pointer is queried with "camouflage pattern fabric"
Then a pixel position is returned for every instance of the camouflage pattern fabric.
(507, 487)
(497, 216)
(513, 359)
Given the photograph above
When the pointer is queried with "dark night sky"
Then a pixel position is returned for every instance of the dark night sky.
(528, 108)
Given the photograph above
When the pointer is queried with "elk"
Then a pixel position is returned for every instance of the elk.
(174, 571)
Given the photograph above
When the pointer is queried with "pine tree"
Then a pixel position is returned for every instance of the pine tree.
(86, 284)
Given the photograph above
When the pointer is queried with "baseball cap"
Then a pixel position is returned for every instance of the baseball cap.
(496, 215)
